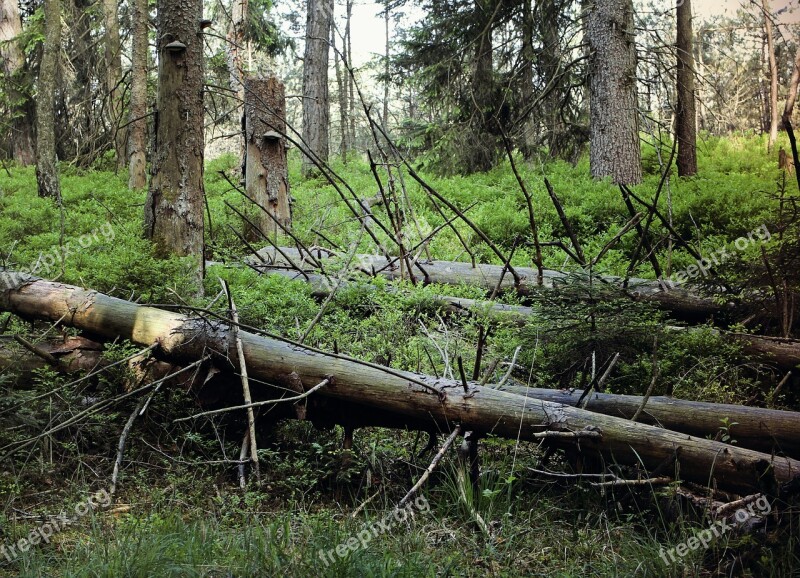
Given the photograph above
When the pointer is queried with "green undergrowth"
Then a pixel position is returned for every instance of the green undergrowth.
(184, 517)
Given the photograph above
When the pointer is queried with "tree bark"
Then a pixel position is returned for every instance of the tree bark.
(233, 50)
(551, 64)
(341, 86)
(137, 131)
(12, 65)
(114, 88)
(46, 160)
(387, 8)
(316, 102)
(773, 76)
(791, 95)
(267, 172)
(614, 121)
(351, 90)
(175, 202)
(755, 428)
(480, 145)
(440, 403)
(685, 114)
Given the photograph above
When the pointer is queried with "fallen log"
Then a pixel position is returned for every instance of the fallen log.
(682, 300)
(782, 352)
(439, 402)
(766, 430)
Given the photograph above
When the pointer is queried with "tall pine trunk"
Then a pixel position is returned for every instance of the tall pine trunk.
(12, 65)
(614, 131)
(773, 76)
(341, 88)
(137, 133)
(686, 116)
(175, 201)
(46, 159)
(113, 73)
(316, 102)
(481, 147)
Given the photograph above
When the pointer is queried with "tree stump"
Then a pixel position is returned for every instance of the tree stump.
(266, 168)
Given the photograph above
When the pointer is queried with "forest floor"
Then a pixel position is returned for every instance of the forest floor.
(177, 513)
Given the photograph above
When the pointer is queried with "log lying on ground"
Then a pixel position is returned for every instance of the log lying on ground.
(681, 300)
(440, 402)
(782, 352)
(765, 430)
(756, 428)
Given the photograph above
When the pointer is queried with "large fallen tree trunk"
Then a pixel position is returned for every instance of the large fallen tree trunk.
(765, 430)
(681, 300)
(756, 428)
(440, 403)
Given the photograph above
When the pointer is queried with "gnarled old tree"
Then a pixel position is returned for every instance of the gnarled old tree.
(614, 150)
(12, 63)
(316, 100)
(46, 160)
(173, 212)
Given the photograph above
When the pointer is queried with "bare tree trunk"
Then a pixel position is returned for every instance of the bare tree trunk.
(686, 116)
(614, 141)
(791, 95)
(267, 173)
(46, 159)
(137, 131)
(233, 50)
(174, 208)
(316, 102)
(773, 77)
(386, 82)
(235, 45)
(528, 139)
(12, 64)
(341, 87)
(114, 89)
(699, 87)
(351, 90)
(481, 150)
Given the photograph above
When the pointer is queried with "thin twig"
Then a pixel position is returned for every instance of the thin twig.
(121, 446)
(248, 400)
(314, 389)
(429, 470)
